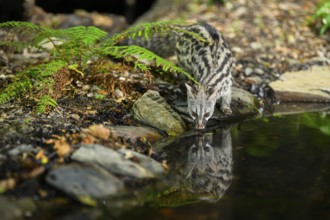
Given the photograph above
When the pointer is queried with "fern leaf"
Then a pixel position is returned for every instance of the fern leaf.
(36, 33)
(142, 55)
(45, 69)
(82, 35)
(15, 89)
(144, 30)
(44, 102)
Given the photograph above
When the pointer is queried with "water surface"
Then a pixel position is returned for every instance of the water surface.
(266, 168)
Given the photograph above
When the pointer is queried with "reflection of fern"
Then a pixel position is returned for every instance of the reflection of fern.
(73, 48)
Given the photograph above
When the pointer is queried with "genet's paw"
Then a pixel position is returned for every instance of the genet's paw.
(226, 110)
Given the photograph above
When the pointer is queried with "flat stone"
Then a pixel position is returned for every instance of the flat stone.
(248, 71)
(84, 181)
(311, 85)
(111, 160)
(134, 133)
(148, 163)
(23, 148)
(153, 110)
(243, 96)
(9, 210)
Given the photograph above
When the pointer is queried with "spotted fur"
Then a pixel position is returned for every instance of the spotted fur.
(210, 63)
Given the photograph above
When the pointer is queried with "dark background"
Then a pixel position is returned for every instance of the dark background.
(131, 9)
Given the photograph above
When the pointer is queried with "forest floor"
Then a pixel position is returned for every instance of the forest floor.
(268, 38)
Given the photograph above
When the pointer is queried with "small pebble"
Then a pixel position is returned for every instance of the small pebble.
(248, 71)
(118, 93)
(259, 71)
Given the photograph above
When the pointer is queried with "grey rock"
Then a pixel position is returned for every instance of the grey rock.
(23, 148)
(152, 109)
(110, 160)
(311, 85)
(9, 210)
(259, 71)
(243, 96)
(27, 205)
(134, 133)
(148, 163)
(84, 181)
(248, 71)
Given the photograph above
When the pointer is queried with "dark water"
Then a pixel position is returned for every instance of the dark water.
(267, 168)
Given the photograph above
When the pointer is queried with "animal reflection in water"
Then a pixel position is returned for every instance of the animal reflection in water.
(209, 168)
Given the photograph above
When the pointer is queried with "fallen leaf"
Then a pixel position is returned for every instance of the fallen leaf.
(99, 131)
(62, 147)
(88, 139)
(42, 157)
(35, 172)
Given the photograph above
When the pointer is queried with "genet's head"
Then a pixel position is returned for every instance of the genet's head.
(200, 105)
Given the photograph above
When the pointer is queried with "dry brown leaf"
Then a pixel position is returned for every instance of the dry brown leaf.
(61, 146)
(99, 131)
(35, 172)
(42, 157)
(88, 139)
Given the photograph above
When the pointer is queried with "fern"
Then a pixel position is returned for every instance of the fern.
(142, 55)
(74, 48)
(15, 89)
(44, 69)
(322, 14)
(148, 29)
(44, 102)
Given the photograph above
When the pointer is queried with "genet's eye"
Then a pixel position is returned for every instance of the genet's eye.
(194, 115)
(207, 114)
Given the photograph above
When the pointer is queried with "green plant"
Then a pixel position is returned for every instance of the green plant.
(322, 14)
(74, 51)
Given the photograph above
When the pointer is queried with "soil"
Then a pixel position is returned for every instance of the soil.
(268, 38)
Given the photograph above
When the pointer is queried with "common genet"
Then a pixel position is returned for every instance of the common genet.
(209, 62)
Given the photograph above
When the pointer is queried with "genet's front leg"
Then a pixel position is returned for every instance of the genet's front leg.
(225, 103)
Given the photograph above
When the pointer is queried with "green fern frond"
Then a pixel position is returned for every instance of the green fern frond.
(44, 69)
(145, 30)
(36, 33)
(148, 29)
(14, 90)
(142, 55)
(44, 102)
(81, 35)
(20, 45)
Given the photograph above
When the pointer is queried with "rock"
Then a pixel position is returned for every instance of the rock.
(248, 71)
(23, 148)
(27, 205)
(243, 103)
(253, 80)
(9, 210)
(146, 162)
(83, 181)
(111, 160)
(134, 133)
(152, 109)
(243, 96)
(259, 71)
(311, 85)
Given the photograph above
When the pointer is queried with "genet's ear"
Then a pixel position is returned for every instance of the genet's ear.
(190, 91)
(213, 96)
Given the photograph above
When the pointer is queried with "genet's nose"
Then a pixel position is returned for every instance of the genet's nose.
(199, 126)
